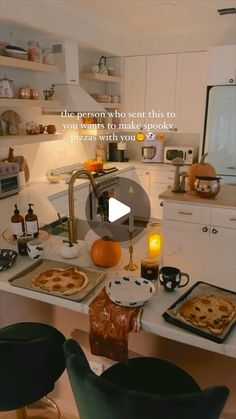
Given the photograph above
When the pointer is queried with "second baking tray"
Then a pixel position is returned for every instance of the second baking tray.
(24, 278)
(199, 289)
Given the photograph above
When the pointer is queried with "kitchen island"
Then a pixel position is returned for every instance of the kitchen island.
(200, 235)
(203, 358)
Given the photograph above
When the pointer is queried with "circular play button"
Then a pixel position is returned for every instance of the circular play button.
(122, 206)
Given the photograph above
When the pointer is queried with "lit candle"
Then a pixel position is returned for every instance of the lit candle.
(154, 244)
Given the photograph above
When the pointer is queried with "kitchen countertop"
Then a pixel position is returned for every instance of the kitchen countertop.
(225, 198)
(152, 320)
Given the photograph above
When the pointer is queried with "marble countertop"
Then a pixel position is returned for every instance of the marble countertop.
(152, 320)
(225, 198)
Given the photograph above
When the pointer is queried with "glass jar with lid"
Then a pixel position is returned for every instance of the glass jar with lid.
(34, 52)
(47, 56)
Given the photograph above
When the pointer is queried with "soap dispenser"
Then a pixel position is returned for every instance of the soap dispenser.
(17, 223)
(31, 222)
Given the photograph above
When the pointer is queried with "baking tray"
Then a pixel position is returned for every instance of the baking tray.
(199, 289)
(24, 278)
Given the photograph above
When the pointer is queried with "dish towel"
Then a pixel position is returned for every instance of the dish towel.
(110, 325)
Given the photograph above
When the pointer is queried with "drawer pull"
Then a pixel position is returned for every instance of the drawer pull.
(161, 204)
(205, 229)
(214, 231)
(185, 213)
(232, 219)
(231, 167)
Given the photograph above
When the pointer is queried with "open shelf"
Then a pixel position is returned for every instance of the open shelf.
(100, 77)
(28, 65)
(29, 102)
(110, 105)
(6, 140)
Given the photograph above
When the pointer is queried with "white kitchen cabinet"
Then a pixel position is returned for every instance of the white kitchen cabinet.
(167, 83)
(195, 241)
(134, 87)
(160, 86)
(190, 92)
(155, 180)
(221, 65)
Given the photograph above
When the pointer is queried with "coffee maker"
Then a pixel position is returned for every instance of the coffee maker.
(116, 151)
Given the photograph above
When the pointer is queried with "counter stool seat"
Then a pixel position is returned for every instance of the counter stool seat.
(143, 388)
(31, 361)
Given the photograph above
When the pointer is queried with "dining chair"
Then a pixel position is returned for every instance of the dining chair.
(31, 361)
(142, 388)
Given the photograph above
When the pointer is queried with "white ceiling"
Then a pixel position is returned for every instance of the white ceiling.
(150, 17)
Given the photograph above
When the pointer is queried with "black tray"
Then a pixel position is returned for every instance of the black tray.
(200, 288)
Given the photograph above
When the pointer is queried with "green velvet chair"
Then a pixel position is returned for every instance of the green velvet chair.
(143, 388)
(31, 361)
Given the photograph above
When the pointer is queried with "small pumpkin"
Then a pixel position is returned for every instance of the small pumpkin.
(105, 252)
(200, 169)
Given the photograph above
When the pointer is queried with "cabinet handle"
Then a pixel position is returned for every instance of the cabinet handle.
(205, 229)
(232, 219)
(185, 213)
(231, 80)
(161, 204)
(146, 173)
(72, 81)
(214, 231)
(231, 167)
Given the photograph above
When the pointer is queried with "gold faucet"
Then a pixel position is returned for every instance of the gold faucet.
(72, 222)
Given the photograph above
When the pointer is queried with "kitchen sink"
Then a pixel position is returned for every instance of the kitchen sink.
(59, 228)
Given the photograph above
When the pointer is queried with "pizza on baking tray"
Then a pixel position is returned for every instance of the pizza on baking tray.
(66, 281)
(213, 312)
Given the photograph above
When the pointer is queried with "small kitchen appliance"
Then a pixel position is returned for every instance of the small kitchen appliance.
(152, 150)
(188, 153)
(9, 179)
(116, 151)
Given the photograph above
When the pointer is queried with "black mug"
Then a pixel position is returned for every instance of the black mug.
(170, 278)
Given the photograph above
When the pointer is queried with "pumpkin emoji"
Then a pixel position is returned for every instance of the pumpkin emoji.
(105, 252)
(200, 169)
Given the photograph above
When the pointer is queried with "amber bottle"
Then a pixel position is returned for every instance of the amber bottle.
(31, 222)
(17, 223)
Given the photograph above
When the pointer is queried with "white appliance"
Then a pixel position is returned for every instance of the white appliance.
(220, 131)
(67, 89)
(188, 153)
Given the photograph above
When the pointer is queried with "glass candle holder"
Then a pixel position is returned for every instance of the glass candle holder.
(149, 268)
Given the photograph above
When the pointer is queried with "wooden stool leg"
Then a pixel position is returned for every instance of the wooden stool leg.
(21, 413)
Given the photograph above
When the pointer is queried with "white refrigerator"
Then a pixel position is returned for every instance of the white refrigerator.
(220, 131)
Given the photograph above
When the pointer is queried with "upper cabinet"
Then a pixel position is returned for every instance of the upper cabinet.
(221, 65)
(190, 91)
(134, 86)
(167, 84)
(160, 86)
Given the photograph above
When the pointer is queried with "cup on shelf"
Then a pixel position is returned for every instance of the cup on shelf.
(50, 129)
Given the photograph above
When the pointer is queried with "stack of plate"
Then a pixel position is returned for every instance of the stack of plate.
(16, 52)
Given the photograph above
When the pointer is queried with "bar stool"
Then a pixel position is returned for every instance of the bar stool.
(31, 361)
(142, 388)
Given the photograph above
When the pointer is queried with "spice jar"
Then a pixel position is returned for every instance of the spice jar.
(47, 56)
(34, 52)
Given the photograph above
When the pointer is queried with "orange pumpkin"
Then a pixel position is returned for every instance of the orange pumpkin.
(200, 169)
(105, 252)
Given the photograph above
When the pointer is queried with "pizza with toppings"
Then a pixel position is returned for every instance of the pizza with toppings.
(213, 312)
(66, 281)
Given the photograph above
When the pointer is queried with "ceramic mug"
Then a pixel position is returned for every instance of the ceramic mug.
(170, 278)
(35, 249)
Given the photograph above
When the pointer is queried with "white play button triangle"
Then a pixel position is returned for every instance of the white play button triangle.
(117, 209)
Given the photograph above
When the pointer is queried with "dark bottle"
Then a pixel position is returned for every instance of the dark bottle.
(17, 223)
(31, 222)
